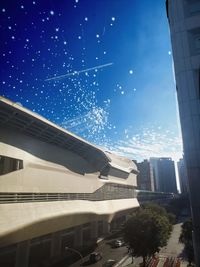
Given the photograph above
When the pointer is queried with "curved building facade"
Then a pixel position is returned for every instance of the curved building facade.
(56, 189)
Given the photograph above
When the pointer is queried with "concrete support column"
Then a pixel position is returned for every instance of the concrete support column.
(78, 239)
(22, 254)
(114, 224)
(106, 227)
(56, 244)
(94, 230)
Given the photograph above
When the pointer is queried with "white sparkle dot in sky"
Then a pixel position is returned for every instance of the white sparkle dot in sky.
(86, 18)
(130, 71)
(122, 92)
(104, 52)
(33, 2)
(9, 27)
(79, 37)
(169, 52)
(76, 1)
(52, 12)
(134, 89)
(3, 10)
(97, 35)
(13, 37)
(113, 18)
(64, 42)
(57, 29)
(22, 7)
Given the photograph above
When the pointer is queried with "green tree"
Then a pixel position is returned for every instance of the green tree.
(146, 232)
(186, 239)
(161, 211)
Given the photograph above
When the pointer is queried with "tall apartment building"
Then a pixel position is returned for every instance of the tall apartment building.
(164, 174)
(184, 24)
(56, 189)
(145, 179)
(154, 164)
(182, 171)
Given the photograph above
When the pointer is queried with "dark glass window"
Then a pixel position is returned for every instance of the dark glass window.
(8, 164)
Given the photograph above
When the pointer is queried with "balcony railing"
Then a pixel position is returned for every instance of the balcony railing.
(106, 192)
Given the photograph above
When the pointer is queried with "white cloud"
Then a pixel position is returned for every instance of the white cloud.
(149, 143)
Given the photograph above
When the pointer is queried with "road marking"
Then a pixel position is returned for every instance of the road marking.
(121, 261)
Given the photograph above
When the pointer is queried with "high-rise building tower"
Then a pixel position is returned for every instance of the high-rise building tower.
(154, 164)
(182, 176)
(167, 176)
(164, 173)
(184, 23)
(145, 179)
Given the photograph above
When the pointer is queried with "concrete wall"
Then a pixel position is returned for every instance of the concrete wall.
(48, 168)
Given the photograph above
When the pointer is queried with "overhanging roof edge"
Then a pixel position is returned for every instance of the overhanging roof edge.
(40, 118)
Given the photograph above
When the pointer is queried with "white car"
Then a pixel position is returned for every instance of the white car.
(118, 243)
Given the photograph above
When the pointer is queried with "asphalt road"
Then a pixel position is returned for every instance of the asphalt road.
(107, 252)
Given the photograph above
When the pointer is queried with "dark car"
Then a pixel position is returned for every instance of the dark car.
(109, 263)
(95, 256)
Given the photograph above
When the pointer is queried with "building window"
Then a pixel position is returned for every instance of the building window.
(199, 83)
(8, 164)
(194, 40)
(192, 7)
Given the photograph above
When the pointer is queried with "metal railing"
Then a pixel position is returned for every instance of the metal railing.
(106, 192)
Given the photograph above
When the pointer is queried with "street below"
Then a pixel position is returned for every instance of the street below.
(107, 251)
(173, 250)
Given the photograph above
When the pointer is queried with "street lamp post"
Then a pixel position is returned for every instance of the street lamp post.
(76, 251)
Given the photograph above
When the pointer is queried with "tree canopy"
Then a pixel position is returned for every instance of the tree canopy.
(186, 239)
(146, 232)
(160, 211)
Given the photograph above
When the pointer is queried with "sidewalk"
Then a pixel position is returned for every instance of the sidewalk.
(128, 262)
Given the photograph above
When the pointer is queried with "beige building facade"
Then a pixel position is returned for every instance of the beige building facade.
(56, 189)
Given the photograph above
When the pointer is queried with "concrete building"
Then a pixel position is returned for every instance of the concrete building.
(167, 176)
(164, 173)
(56, 189)
(145, 179)
(154, 164)
(184, 24)
(182, 171)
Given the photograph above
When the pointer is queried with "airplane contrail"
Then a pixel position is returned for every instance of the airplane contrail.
(76, 72)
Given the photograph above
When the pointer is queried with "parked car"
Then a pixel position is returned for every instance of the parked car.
(117, 243)
(95, 256)
(109, 263)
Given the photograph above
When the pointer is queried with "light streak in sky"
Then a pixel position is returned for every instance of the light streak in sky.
(76, 72)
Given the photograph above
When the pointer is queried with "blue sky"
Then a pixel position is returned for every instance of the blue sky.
(129, 106)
